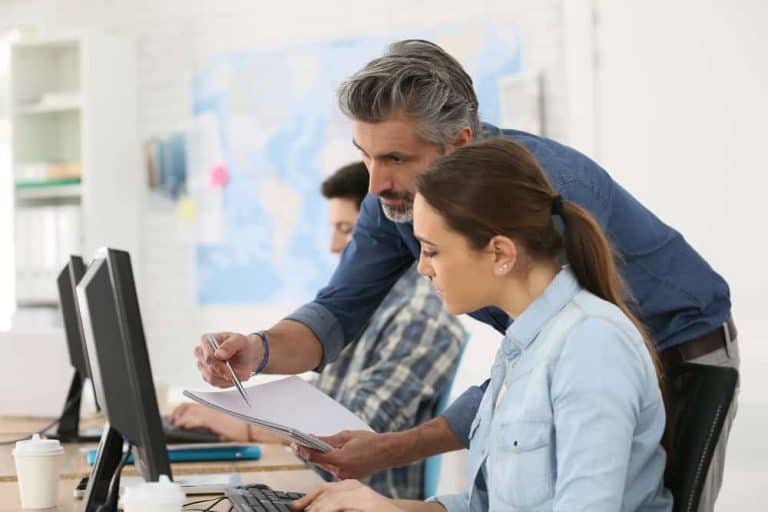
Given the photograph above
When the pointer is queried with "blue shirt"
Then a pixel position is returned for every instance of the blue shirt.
(573, 417)
(675, 293)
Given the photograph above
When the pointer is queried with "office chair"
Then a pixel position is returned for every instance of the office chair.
(432, 465)
(699, 397)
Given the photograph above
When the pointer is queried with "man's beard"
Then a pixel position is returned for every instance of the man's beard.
(400, 213)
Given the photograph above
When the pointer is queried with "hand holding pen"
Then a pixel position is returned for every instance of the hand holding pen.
(233, 361)
(215, 346)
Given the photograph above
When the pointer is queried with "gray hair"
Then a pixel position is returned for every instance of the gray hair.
(420, 80)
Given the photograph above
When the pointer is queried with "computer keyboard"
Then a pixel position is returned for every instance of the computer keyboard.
(175, 434)
(260, 498)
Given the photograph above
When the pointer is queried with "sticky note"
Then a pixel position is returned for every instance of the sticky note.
(186, 208)
(218, 176)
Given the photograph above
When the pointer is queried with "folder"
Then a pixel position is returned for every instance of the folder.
(200, 453)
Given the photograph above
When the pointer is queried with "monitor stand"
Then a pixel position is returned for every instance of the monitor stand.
(68, 430)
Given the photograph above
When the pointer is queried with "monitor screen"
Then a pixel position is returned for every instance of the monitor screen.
(117, 352)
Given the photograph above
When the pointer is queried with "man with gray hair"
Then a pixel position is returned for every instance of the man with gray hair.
(408, 107)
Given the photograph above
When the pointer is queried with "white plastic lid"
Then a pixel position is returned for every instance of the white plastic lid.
(162, 492)
(38, 446)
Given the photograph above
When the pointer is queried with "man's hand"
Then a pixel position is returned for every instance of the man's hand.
(358, 454)
(243, 353)
(344, 496)
(197, 416)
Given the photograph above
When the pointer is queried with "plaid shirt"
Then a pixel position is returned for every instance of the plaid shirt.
(394, 374)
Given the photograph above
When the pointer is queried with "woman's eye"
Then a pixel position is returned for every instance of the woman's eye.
(429, 254)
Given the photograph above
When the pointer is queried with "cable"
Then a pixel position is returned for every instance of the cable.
(208, 500)
(216, 501)
(48, 426)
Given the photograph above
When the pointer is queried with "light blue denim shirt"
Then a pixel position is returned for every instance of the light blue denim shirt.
(573, 417)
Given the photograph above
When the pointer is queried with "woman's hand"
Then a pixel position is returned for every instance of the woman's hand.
(348, 495)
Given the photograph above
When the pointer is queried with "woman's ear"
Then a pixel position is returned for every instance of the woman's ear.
(504, 253)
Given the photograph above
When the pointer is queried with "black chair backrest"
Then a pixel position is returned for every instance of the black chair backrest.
(698, 399)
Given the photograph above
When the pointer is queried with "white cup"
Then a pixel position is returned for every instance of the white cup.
(38, 462)
(160, 496)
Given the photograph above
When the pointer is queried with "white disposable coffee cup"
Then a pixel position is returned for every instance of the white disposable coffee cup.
(160, 496)
(38, 462)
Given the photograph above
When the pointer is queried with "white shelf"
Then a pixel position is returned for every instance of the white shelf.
(50, 42)
(46, 109)
(63, 95)
(73, 190)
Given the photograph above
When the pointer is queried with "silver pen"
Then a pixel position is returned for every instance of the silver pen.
(215, 346)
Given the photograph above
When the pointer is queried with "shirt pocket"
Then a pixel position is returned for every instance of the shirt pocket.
(523, 474)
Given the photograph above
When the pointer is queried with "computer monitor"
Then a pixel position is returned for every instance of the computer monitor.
(121, 373)
(68, 429)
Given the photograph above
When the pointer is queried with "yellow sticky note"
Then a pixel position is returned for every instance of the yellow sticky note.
(186, 208)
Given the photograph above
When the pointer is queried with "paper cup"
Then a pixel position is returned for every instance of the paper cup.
(38, 462)
(160, 496)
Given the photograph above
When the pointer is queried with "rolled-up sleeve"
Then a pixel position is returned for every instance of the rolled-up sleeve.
(324, 326)
(462, 411)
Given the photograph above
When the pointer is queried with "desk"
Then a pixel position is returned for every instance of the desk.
(298, 481)
(277, 467)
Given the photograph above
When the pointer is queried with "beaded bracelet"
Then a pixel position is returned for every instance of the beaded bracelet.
(265, 358)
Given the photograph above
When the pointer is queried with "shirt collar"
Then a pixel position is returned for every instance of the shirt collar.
(488, 130)
(524, 329)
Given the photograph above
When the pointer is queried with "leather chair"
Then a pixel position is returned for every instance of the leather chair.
(698, 398)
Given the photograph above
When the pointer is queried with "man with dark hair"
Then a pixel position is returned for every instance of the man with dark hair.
(345, 189)
(393, 374)
(408, 107)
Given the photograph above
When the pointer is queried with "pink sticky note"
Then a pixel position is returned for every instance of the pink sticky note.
(218, 175)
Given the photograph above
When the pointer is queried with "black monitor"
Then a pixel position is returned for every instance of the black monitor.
(122, 377)
(68, 429)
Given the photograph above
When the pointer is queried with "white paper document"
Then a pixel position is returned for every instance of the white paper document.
(290, 407)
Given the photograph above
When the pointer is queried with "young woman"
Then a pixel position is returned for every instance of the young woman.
(573, 416)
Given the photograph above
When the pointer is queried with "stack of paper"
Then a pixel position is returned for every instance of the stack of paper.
(289, 407)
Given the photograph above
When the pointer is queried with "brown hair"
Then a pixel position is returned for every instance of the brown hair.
(348, 182)
(497, 187)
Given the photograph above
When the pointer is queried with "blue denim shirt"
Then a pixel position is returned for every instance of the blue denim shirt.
(675, 293)
(573, 416)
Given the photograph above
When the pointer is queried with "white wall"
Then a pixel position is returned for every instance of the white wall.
(682, 107)
(682, 111)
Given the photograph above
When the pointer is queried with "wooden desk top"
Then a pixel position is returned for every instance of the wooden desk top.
(274, 457)
(278, 468)
(297, 481)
